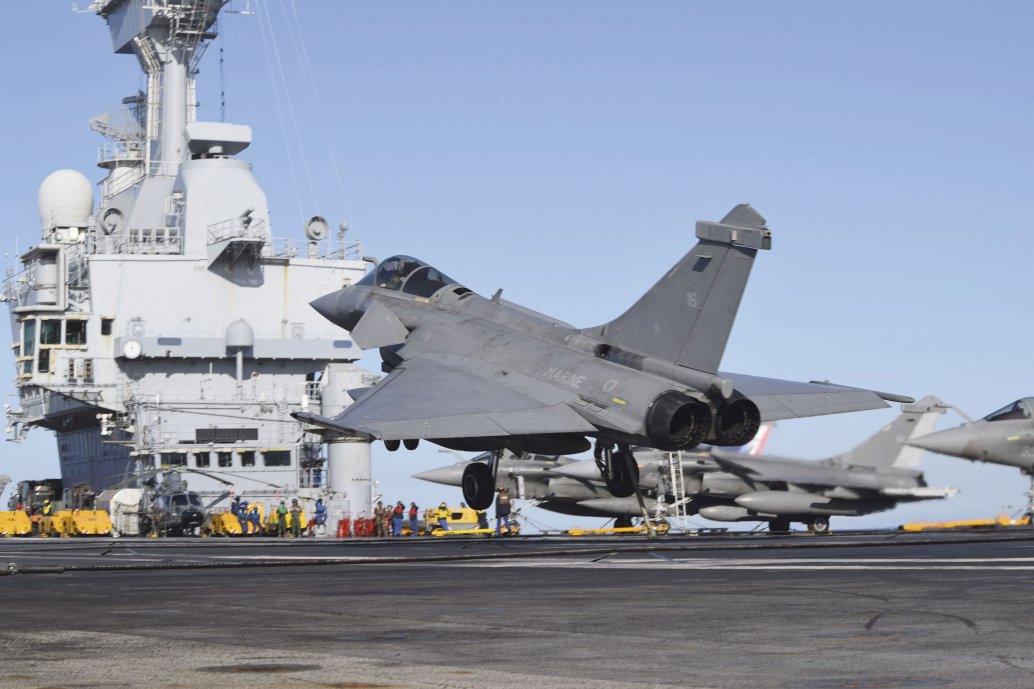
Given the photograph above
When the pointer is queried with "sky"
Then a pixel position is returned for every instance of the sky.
(564, 151)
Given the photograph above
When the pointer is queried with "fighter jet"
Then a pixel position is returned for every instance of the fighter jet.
(1004, 437)
(477, 374)
(724, 485)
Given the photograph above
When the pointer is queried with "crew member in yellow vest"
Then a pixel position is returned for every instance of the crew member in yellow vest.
(442, 515)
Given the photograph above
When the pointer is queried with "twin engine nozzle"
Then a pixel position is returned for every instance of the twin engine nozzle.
(676, 421)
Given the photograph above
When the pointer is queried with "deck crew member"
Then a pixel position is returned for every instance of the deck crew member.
(379, 516)
(296, 518)
(442, 515)
(281, 520)
(398, 514)
(320, 513)
(502, 511)
(413, 512)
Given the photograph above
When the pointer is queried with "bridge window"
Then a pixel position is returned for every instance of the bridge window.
(202, 460)
(50, 331)
(248, 458)
(225, 459)
(174, 459)
(276, 458)
(75, 332)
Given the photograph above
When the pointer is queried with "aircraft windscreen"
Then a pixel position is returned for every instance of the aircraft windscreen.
(409, 275)
(179, 500)
(1020, 409)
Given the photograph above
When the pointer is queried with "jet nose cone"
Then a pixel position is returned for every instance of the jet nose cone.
(955, 442)
(326, 305)
(448, 476)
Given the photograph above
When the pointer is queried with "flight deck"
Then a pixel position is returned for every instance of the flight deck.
(855, 609)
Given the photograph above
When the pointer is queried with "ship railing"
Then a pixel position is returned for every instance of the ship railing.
(243, 227)
(123, 181)
(312, 478)
(141, 240)
(16, 284)
(77, 266)
(290, 248)
(121, 152)
(134, 175)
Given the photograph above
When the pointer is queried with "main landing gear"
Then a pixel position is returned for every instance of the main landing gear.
(619, 471)
(621, 475)
(479, 481)
(409, 443)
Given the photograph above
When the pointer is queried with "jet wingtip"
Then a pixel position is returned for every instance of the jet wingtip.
(322, 422)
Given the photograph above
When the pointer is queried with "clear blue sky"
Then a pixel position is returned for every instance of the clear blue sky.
(563, 151)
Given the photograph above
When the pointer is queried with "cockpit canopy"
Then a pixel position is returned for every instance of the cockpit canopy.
(1018, 410)
(408, 275)
(185, 499)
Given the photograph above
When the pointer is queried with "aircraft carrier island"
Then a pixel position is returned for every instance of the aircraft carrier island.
(163, 324)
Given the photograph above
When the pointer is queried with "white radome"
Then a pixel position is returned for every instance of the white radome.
(65, 200)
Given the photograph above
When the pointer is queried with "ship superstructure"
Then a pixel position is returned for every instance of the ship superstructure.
(167, 326)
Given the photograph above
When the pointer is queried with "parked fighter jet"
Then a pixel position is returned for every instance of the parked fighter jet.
(575, 487)
(477, 374)
(1004, 437)
(725, 485)
(873, 477)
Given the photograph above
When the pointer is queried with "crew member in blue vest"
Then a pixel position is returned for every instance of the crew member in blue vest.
(320, 512)
(241, 513)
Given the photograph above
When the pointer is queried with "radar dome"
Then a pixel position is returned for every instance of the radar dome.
(65, 200)
(240, 335)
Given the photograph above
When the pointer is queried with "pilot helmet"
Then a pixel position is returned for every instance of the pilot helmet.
(442, 505)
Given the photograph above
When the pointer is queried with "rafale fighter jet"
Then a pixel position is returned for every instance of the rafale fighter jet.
(725, 485)
(1004, 437)
(477, 374)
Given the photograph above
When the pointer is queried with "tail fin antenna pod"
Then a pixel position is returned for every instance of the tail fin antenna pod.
(887, 449)
(687, 316)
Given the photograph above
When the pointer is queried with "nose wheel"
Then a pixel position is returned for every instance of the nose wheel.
(819, 524)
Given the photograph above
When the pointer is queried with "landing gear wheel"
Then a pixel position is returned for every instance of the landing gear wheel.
(623, 523)
(778, 526)
(478, 488)
(392, 445)
(819, 524)
(622, 480)
(411, 443)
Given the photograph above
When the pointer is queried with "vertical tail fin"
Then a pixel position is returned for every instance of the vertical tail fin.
(686, 317)
(887, 449)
